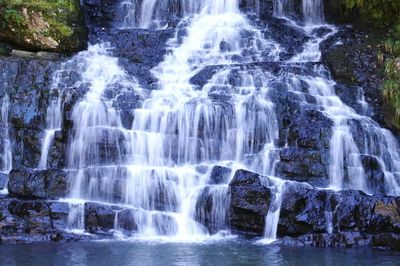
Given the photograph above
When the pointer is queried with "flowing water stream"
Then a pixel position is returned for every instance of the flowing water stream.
(6, 154)
(155, 170)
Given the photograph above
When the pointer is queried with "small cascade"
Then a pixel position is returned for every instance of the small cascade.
(5, 145)
(53, 124)
(156, 13)
(272, 219)
(313, 12)
(283, 8)
(98, 134)
(328, 216)
(76, 216)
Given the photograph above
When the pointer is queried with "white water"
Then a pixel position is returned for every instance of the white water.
(53, 124)
(154, 170)
(312, 10)
(272, 219)
(154, 167)
(153, 13)
(6, 153)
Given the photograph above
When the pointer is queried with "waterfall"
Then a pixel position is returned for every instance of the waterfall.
(6, 154)
(272, 219)
(283, 8)
(53, 124)
(313, 11)
(155, 13)
(156, 170)
(153, 169)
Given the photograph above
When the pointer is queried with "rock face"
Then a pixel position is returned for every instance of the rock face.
(250, 199)
(314, 217)
(35, 184)
(27, 221)
(56, 26)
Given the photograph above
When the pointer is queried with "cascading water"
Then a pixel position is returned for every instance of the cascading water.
(313, 11)
(154, 171)
(153, 167)
(346, 168)
(53, 120)
(154, 13)
(6, 154)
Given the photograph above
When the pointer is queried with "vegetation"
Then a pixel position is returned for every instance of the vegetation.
(386, 15)
(62, 16)
(377, 12)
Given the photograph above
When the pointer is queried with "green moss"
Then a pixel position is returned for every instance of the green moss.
(56, 13)
(64, 18)
(374, 12)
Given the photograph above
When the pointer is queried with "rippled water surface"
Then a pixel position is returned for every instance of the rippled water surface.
(218, 253)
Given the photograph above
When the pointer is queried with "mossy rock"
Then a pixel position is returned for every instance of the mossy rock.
(43, 25)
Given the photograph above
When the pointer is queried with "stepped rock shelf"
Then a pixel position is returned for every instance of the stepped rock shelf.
(194, 120)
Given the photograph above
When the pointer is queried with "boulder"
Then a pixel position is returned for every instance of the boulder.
(37, 184)
(250, 200)
(303, 210)
(56, 26)
(99, 217)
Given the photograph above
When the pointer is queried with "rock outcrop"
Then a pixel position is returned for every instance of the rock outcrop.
(45, 25)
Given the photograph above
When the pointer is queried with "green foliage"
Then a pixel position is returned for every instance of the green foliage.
(378, 12)
(391, 87)
(55, 12)
(384, 14)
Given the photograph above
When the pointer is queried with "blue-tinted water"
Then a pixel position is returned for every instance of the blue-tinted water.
(219, 253)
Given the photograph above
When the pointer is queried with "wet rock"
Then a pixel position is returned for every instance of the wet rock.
(99, 217)
(250, 200)
(387, 240)
(3, 180)
(307, 133)
(219, 175)
(302, 165)
(374, 173)
(59, 212)
(126, 220)
(303, 210)
(356, 211)
(36, 184)
(130, 221)
(27, 221)
(290, 38)
(138, 51)
(306, 210)
(341, 239)
(212, 208)
(354, 62)
(26, 82)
